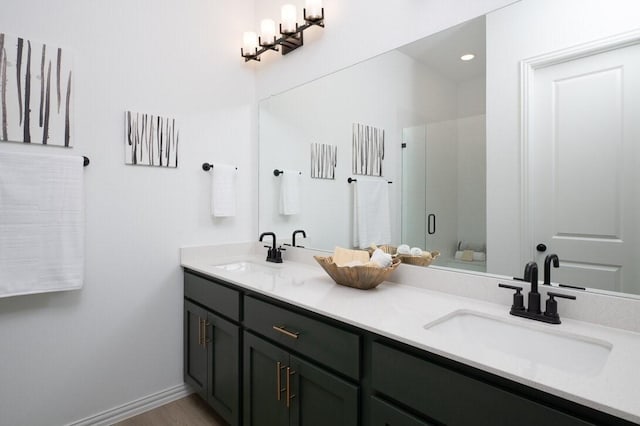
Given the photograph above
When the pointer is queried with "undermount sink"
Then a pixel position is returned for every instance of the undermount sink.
(245, 266)
(531, 343)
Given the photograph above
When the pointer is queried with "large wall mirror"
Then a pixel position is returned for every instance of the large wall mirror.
(528, 149)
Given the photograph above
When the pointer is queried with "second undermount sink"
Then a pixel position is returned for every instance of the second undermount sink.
(531, 343)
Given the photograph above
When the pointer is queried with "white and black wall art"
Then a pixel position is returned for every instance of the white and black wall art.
(367, 150)
(151, 140)
(36, 104)
(324, 158)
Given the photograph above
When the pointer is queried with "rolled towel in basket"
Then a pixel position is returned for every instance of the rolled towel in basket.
(404, 249)
(381, 259)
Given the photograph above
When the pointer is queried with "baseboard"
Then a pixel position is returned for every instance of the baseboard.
(136, 407)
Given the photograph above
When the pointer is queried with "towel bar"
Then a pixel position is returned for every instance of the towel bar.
(206, 167)
(350, 180)
(277, 172)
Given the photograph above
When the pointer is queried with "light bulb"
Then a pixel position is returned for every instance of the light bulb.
(267, 31)
(249, 43)
(313, 9)
(288, 15)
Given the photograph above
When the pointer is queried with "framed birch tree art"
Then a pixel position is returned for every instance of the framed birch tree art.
(151, 140)
(367, 146)
(36, 104)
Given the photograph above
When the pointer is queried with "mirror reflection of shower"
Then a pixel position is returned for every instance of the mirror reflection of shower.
(444, 157)
(443, 191)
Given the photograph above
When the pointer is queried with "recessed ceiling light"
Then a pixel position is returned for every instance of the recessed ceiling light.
(467, 57)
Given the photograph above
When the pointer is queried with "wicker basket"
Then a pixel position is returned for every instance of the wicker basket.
(362, 277)
(419, 260)
(385, 248)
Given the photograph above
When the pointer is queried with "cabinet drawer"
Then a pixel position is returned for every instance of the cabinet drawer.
(214, 296)
(453, 398)
(385, 414)
(324, 343)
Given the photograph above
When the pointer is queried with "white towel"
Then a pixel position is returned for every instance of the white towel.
(290, 192)
(371, 219)
(41, 223)
(223, 190)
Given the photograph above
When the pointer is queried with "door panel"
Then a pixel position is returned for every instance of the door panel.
(319, 398)
(223, 345)
(264, 401)
(585, 168)
(195, 351)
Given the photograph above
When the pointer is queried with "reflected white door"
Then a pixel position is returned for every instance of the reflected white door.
(585, 168)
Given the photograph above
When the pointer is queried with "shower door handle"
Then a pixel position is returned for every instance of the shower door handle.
(431, 224)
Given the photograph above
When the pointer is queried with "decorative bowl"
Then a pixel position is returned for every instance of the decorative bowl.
(425, 260)
(361, 277)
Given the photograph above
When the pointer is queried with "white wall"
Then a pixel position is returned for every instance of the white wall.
(66, 356)
(520, 31)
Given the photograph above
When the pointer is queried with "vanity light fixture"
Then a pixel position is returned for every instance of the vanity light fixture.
(291, 34)
(467, 57)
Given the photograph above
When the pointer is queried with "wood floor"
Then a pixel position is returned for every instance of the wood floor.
(188, 411)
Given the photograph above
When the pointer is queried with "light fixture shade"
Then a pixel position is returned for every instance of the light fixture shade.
(288, 16)
(313, 9)
(249, 42)
(267, 31)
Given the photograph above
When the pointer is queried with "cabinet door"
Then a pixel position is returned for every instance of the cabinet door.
(223, 347)
(195, 348)
(264, 383)
(317, 397)
(385, 414)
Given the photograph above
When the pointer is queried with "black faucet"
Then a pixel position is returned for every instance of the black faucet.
(533, 311)
(293, 238)
(547, 267)
(273, 254)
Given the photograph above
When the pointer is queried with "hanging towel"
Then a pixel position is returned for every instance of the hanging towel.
(223, 190)
(290, 192)
(371, 219)
(41, 223)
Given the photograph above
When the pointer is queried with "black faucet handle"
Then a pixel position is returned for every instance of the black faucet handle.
(518, 298)
(551, 295)
(551, 310)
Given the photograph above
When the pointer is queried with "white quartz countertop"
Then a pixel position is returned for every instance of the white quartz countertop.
(400, 311)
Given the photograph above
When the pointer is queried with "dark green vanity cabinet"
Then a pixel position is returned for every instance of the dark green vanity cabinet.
(212, 345)
(282, 389)
(292, 388)
(449, 397)
(263, 362)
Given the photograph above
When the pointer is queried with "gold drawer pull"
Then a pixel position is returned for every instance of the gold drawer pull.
(281, 329)
(290, 396)
(279, 388)
(205, 339)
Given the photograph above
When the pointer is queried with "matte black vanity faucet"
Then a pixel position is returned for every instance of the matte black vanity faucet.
(547, 267)
(293, 238)
(273, 254)
(533, 310)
